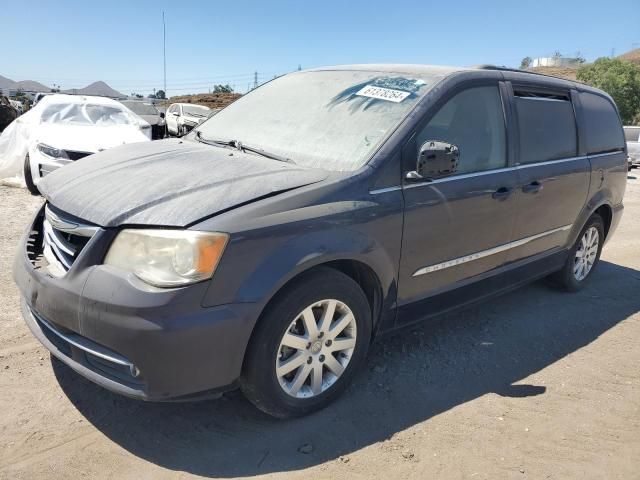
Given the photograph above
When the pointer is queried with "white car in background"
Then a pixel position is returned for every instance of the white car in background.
(65, 128)
(181, 118)
(632, 136)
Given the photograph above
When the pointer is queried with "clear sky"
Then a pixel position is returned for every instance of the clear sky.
(72, 43)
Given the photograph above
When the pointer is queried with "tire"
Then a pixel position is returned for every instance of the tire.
(298, 393)
(567, 278)
(28, 177)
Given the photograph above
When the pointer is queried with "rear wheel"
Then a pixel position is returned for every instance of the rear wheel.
(308, 345)
(583, 256)
(28, 177)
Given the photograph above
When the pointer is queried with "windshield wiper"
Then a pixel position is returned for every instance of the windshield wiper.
(214, 142)
(238, 145)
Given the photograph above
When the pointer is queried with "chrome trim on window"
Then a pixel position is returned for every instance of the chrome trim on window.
(497, 170)
(486, 253)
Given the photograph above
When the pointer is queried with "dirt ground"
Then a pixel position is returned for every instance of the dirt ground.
(535, 384)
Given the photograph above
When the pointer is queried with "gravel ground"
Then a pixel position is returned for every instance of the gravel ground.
(534, 384)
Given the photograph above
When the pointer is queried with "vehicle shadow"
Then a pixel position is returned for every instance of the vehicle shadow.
(411, 377)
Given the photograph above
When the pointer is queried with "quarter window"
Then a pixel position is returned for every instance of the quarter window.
(472, 120)
(603, 131)
(547, 128)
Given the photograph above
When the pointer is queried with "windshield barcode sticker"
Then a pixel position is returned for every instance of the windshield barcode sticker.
(382, 93)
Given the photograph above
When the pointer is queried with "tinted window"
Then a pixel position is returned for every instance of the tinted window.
(547, 129)
(473, 121)
(602, 128)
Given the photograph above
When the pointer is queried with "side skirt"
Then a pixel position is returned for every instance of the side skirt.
(481, 288)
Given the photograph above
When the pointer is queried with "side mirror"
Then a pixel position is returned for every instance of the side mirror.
(161, 114)
(436, 159)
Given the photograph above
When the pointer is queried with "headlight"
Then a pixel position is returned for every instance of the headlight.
(51, 152)
(167, 258)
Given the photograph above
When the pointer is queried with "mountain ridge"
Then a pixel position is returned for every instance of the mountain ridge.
(98, 88)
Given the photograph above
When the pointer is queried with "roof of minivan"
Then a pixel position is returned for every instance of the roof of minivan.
(413, 69)
(417, 69)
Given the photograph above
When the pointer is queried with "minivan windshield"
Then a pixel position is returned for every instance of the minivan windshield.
(332, 120)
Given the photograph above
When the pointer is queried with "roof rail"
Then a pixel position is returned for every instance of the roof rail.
(519, 70)
(501, 68)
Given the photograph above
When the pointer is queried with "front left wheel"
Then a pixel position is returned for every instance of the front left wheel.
(308, 345)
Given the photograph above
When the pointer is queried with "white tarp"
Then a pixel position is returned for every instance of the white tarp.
(97, 122)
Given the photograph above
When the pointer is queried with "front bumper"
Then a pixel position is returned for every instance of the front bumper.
(133, 339)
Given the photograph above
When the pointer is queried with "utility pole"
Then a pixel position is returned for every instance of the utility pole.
(255, 79)
(164, 59)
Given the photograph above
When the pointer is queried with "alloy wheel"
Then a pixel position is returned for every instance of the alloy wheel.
(586, 254)
(316, 348)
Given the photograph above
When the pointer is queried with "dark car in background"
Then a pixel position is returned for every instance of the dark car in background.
(150, 114)
(267, 248)
(7, 113)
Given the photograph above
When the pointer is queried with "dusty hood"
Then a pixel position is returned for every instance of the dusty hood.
(168, 183)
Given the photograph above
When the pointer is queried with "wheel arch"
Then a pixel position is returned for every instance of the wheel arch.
(599, 204)
(357, 270)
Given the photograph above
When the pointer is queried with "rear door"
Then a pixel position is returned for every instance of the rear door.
(455, 227)
(553, 179)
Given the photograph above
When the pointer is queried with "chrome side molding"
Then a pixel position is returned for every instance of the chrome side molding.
(486, 253)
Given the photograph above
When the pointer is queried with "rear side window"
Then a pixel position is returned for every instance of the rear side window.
(602, 128)
(547, 128)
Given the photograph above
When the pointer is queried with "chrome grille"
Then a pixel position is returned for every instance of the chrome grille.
(62, 241)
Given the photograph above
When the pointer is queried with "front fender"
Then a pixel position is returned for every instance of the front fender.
(303, 252)
(270, 250)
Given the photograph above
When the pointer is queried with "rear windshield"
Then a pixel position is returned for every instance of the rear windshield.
(332, 120)
(85, 114)
(195, 110)
(141, 108)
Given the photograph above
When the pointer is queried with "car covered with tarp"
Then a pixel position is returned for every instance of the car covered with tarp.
(62, 129)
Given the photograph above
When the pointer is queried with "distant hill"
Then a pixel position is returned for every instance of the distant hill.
(31, 86)
(632, 56)
(99, 89)
(211, 100)
(7, 83)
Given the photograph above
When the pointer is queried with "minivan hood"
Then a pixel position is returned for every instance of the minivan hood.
(171, 183)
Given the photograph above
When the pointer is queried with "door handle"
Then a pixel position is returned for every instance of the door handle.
(502, 193)
(533, 187)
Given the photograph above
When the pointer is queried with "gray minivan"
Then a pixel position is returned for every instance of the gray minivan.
(267, 248)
